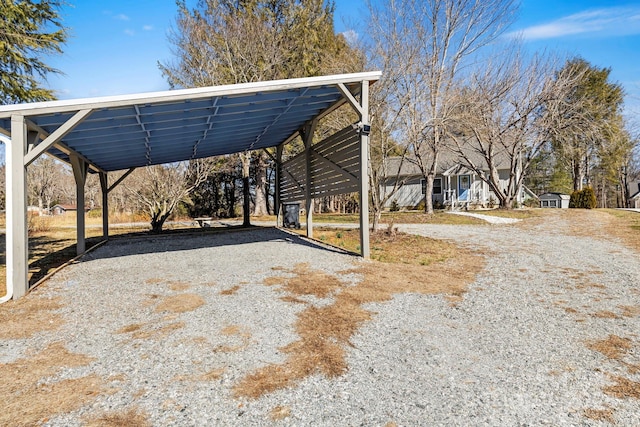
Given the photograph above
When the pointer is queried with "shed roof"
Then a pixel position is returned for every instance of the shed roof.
(120, 132)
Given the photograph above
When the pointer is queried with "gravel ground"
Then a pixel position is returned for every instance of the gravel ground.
(513, 352)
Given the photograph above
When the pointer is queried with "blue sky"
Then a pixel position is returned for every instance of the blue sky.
(114, 46)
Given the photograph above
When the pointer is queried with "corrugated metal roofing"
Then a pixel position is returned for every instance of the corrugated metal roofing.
(163, 127)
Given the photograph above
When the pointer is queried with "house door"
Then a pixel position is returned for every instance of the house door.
(464, 184)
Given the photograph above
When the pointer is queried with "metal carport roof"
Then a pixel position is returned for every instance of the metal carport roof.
(124, 132)
(121, 132)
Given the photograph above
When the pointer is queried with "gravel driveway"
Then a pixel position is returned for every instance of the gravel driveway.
(546, 335)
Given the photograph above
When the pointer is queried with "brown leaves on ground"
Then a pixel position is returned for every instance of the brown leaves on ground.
(326, 331)
(180, 303)
(28, 316)
(604, 415)
(623, 388)
(31, 394)
(613, 347)
(131, 418)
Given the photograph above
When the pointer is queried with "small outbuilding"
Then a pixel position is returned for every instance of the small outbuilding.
(554, 200)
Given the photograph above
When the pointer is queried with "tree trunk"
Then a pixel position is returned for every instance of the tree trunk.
(577, 176)
(245, 158)
(260, 207)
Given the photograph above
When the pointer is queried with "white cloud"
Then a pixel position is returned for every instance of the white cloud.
(129, 32)
(350, 36)
(597, 22)
(122, 17)
(147, 27)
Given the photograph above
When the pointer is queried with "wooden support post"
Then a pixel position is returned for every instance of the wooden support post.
(276, 196)
(308, 140)
(104, 186)
(17, 252)
(364, 171)
(80, 174)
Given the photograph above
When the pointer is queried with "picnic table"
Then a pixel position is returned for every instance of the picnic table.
(203, 221)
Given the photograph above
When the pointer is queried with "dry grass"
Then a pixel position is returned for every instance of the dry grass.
(31, 393)
(605, 314)
(326, 331)
(231, 291)
(613, 347)
(629, 311)
(28, 316)
(180, 303)
(131, 418)
(602, 415)
(237, 333)
(280, 413)
(623, 388)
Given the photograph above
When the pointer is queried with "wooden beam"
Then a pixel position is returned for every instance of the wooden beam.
(56, 136)
(351, 99)
(119, 180)
(333, 166)
(364, 173)
(80, 174)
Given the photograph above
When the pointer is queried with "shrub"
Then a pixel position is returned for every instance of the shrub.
(394, 206)
(583, 199)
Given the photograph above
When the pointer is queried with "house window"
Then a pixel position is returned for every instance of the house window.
(553, 204)
(437, 185)
(545, 203)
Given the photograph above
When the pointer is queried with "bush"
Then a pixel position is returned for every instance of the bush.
(583, 199)
(394, 206)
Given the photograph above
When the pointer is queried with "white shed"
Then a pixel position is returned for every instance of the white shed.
(554, 200)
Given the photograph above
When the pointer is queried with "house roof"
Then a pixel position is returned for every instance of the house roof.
(448, 161)
(555, 195)
(634, 189)
(120, 132)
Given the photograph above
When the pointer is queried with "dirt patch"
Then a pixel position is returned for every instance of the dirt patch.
(131, 418)
(326, 331)
(603, 415)
(31, 394)
(623, 388)
(180, 303)
(614, 347)
(28, 316)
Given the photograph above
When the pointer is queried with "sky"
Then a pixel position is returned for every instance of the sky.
(114, 46)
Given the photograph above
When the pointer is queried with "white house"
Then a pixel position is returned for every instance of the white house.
(634, 194)
(455, 184)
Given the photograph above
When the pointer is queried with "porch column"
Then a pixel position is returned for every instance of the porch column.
(364, 171)
(17, 252)
(80, 174)
(104, 187)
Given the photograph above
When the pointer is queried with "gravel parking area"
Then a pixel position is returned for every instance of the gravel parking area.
(547, 334)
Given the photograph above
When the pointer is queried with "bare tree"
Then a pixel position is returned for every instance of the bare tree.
(505, 115)
(437, 38)
(43, 179)
(160, 188)
(226, 42)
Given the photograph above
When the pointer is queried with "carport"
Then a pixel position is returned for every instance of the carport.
(122, 133)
